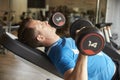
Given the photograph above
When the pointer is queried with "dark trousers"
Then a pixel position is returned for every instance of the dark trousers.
(117, 72)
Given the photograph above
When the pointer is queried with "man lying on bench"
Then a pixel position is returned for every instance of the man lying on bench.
(64, 54)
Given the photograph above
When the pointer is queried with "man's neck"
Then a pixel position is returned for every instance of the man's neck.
(53, 39)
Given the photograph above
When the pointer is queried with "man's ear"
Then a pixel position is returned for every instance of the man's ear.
(40, 38)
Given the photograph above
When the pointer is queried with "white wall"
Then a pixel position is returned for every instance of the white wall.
(113, 15)
(3, 6)
(18, 6)
(13, 5)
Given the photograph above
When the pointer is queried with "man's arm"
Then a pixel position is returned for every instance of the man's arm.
(80, 70)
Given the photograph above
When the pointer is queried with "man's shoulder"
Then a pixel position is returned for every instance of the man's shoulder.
(68, 39)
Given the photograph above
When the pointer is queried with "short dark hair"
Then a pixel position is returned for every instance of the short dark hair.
(26, 34)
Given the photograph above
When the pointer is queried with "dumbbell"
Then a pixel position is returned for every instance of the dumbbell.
(89, 39)
(57, 20)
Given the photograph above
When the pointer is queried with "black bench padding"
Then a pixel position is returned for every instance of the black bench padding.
(111, 51)
(35, 56)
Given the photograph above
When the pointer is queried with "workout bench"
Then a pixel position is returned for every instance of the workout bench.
(35, 56)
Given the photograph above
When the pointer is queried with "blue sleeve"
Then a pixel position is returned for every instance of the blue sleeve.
(64, 64)
(63, 60)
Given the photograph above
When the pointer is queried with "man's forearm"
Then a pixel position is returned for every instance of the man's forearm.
(80, 70)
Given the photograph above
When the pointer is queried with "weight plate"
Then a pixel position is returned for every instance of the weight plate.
(58, 19)
(78, 24)
(91, 44)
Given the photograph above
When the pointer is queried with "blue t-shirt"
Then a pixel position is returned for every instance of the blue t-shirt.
(64, 54)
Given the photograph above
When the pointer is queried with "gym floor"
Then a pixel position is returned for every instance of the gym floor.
(13, 67)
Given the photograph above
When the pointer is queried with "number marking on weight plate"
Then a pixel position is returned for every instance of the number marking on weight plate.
(92, 44)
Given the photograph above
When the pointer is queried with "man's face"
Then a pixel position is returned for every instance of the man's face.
(43, 28)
